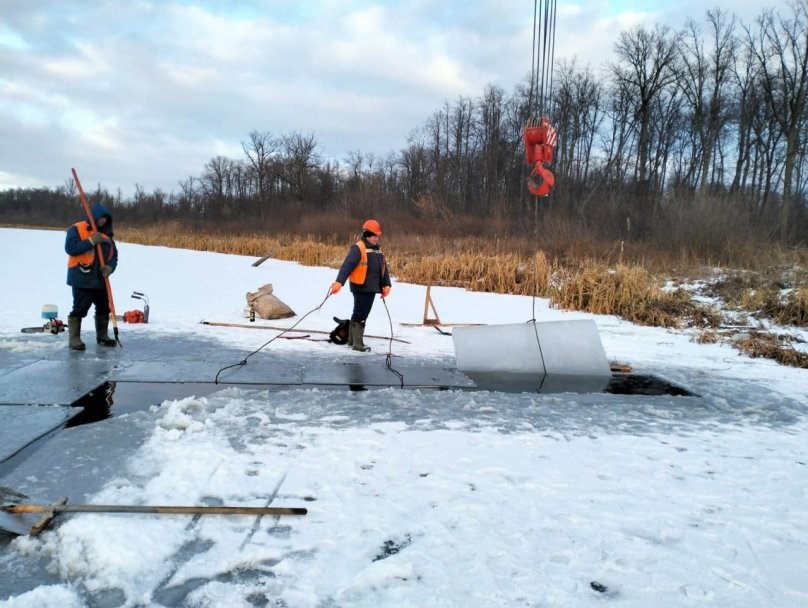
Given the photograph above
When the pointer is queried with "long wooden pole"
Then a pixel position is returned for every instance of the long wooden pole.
(288, 329)
(170, 509)
(100, 253)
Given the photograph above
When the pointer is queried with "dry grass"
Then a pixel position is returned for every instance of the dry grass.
(707, 336)
(631, 292)
(771, 346)
(628, 290)
(625, 289)
(761, 294)
(792, 310)
(306, 250)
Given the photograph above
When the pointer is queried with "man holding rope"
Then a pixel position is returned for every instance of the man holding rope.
(366, 269)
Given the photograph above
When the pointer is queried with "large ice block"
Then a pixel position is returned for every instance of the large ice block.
(549, 347)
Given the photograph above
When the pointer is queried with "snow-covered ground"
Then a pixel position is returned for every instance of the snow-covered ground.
(425, 498)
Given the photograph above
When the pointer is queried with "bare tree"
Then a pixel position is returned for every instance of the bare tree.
(647, 65)
(706, 83)
(260, 151)
(188, 200)
(488, 133)
(355, 161)
(216, 183)
(781, 48)
(578, 116)
(300, 158)
(415, 165)
(460, 154)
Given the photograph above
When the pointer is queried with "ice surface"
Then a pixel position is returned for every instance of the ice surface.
(22, 424)
(415, 497)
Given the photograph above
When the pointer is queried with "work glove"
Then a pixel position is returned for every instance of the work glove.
(106, 271)
(95, 238)
(335, 287)
(385, 291)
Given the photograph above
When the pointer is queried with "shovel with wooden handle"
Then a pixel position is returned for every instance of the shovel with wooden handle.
(13, 516)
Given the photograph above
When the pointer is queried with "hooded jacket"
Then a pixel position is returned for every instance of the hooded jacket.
(83, 267)
(365, 263)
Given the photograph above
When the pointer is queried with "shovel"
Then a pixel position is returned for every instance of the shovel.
(21, 517)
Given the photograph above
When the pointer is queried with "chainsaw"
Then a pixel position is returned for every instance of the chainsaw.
(138, 316)
(53, 326)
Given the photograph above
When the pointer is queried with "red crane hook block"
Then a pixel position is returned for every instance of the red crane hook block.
(541, 180)
(540, 139)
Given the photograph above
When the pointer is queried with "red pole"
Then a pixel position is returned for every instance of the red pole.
(100, 254)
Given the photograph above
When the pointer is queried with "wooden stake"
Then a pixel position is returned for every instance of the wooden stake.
(427, 304)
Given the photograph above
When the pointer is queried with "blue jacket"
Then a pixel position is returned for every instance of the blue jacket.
(88, 276)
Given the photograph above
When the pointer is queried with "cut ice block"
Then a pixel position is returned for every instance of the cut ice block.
(498, 348)
(550, 347)
(573, 348)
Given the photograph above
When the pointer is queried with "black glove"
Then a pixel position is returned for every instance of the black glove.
(95, 238)
(106, 271)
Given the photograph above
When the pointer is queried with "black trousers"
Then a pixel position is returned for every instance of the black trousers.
(84, 298)
(362, 303)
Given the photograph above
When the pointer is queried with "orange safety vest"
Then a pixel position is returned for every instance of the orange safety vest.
(86, 258)
(360, 273)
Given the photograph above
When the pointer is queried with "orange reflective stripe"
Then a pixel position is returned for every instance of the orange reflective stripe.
(360, 273)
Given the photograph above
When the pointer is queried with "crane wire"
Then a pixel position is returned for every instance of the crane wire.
(541, 69)
(541, 75)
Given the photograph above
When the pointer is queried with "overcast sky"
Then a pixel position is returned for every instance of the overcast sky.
(148, 91)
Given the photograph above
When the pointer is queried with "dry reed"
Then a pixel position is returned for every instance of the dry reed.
(627, 290)
(771, 346)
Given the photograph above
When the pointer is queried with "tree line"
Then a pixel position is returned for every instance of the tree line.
(683, 133)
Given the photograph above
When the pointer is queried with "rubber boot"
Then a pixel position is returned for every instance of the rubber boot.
(350, 335)
(101, 335)
(359, 336)
(74, 333)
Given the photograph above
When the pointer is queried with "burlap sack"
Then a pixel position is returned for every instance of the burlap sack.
(268, 306)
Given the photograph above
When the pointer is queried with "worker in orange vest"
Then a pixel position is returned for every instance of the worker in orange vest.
(87, 276)
(366, 269)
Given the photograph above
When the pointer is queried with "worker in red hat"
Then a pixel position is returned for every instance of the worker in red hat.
(366, 269)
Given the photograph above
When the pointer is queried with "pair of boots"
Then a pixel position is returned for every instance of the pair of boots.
(101, 335)
(356, 336)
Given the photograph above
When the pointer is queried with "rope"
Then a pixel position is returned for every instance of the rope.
(388, 358)
(268, 342)
(388, 361)
(538, 342)
(536, 332)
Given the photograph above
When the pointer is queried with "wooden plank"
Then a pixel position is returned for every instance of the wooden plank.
(60, 507)
(288, 329)
(432, 324)
(260, 261)
(46, 517)
(619, 367)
